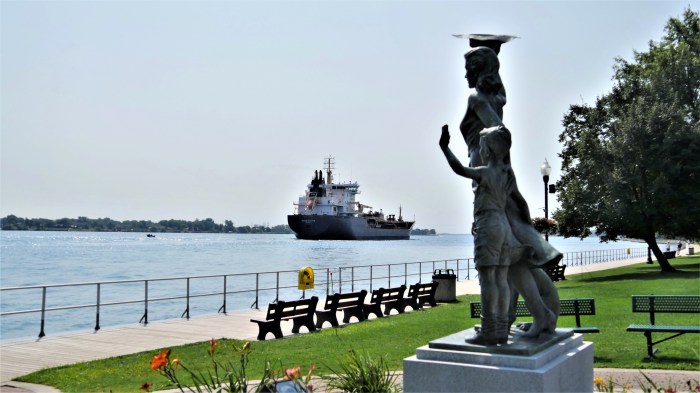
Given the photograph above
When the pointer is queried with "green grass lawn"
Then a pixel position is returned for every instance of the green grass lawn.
(397, 337)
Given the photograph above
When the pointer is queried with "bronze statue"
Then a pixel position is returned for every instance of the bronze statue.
(529, 251)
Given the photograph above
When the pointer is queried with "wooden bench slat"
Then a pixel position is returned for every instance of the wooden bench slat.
(352, 305)
(300, 312)
(419, 294)
(391, 298)
(555, 273)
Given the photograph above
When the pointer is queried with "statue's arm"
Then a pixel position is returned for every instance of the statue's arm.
(483, 109)
(454, 162)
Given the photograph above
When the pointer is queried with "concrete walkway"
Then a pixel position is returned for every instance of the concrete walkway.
(23, 357)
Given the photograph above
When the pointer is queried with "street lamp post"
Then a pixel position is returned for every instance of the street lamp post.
(545, 169)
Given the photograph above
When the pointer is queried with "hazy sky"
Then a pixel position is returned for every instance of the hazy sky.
(174, 109)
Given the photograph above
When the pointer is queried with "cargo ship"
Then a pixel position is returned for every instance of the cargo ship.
(329, 211)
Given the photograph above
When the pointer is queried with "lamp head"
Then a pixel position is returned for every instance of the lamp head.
(545, 169)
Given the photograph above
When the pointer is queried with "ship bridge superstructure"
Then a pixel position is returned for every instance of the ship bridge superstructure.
(323, 197)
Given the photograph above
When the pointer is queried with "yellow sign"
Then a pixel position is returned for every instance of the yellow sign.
(306, 278)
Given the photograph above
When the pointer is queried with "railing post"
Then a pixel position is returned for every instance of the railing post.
(277, 288)
(329, 280)
(97, 314)
(255, 303)
(144, 318)
(187, 310)
(43, 311)
(389, 267)
(352, 279)
(370, 278)
(340, 280)
(223, 307)
(405, 273)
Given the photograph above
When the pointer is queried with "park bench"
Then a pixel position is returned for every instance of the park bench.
(301, 312)
(556, 272)
(567, 307)
(350, 303)
(419, 294)
(652, 304)
(391, 298)
(670, 254)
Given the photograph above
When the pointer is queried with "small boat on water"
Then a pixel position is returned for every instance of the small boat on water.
(329, 211)
(150, 235)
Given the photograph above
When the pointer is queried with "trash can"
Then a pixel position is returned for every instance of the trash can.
(691, 250)
(447, 285)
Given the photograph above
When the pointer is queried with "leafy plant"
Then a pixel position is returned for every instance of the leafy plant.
(222, 377)
(545, 225)
(609, 386)
(363, 374)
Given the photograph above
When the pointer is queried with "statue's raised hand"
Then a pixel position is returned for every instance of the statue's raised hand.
(444, 137)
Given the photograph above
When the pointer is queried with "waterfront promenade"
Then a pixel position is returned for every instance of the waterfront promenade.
(22, 357)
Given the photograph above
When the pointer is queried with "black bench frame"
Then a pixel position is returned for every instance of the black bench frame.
(301, 312)
(670, 254)
(419, 294)
(653, 304)
(391, 298)
(556, 272)
(567, 307)
(350, 303)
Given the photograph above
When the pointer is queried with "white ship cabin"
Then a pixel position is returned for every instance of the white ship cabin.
(326, 198)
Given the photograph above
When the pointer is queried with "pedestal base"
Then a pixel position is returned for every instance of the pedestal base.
(561, 362)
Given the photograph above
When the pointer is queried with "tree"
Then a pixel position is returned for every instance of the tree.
(631, 162)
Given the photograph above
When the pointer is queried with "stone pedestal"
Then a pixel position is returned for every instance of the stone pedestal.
(561, 362)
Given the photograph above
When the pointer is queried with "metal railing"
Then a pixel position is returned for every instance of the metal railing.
(258, 287)
(253, 286)
(581, 258)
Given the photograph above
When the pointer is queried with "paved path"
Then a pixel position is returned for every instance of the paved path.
(23, 357)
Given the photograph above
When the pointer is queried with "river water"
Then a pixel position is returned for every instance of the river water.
(48, 258)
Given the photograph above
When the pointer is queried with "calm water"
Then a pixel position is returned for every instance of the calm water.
(40, 258)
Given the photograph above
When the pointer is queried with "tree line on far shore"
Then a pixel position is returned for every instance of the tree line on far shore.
(14, 223)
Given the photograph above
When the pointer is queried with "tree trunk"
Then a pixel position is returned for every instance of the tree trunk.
(660, 257)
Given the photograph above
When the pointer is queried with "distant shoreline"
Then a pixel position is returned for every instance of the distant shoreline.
(85, 224)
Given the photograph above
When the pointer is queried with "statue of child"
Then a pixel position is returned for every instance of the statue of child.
(493, 239)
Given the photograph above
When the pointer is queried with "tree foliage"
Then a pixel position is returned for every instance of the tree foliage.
(631, 161)
(14, 223)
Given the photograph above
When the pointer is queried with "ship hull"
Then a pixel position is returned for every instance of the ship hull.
(327, 227)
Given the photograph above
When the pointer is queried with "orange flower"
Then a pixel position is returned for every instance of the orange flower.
(293, 373)
(175, 362)
(159, 361)
(212, 346)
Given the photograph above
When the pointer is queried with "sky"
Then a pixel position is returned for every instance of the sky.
(153, 110)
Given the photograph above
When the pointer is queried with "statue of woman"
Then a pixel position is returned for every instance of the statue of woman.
(485, 104)
(485, 110)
